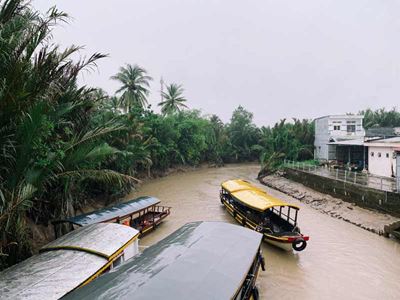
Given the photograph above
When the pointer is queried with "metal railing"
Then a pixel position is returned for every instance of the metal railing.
(361, 178)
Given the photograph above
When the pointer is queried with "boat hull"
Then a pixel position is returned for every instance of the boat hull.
(275, 241)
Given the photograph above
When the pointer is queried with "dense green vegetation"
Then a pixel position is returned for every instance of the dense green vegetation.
(381, 118)
(62, 144)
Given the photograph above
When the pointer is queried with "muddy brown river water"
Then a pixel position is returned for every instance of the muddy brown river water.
(341, 261)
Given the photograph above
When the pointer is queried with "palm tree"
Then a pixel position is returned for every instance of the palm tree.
(173, 99)
(135, 86)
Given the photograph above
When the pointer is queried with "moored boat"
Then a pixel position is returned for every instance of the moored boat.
(201, 260)
(69, 262)
(143, 214)
(254, 208)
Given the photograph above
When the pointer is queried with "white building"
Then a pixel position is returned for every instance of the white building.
(384, 157)
(335, 128)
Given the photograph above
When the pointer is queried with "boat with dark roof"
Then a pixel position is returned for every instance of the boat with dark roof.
(143, 214)
(201, 260)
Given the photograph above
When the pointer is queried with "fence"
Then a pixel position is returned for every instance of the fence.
(380, 183)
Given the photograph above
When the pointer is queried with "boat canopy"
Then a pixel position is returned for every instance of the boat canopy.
(201, 260)
(238, 185)
(117, 211)
(253, 196)
(259, 200)
(96, 239)
(64, 264)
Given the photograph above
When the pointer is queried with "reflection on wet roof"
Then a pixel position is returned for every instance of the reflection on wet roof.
(103, 239)
(118, 210)
(55, 272)
(201, 260)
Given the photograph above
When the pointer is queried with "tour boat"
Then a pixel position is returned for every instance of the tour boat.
(142, 213)
(70, 262)
(254, 208)
(201, 260)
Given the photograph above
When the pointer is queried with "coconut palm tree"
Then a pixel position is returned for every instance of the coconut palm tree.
(48, 145)
(173, 100)
(135, 86)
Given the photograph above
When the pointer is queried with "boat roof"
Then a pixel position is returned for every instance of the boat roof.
(258, 200)
(253, 196)
(201, 260)
(102, 239)
(57, 271)
(235, 185)
(113, 212)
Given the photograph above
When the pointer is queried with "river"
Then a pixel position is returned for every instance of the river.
(341, 261)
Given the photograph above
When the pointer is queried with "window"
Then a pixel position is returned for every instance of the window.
(379, 154)
(387, 155)
(372, 154)
(336, 127)
(351, 128)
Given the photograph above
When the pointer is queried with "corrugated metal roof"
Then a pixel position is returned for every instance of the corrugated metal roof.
(356, 142)
(118, 210)
(201, 260)
(52, 274)
(49, 275)
(388, 142)
(103, 239)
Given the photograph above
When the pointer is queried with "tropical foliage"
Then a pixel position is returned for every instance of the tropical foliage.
(381, 118)
(62, 144)
(135, 85)
(173, 100)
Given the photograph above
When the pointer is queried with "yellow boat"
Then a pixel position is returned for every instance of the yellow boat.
(254, 208)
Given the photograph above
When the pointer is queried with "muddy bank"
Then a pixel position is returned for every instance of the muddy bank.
(41, 234)
(367, 219)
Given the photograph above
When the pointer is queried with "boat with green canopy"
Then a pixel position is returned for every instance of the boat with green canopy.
(254, 208)
(143, 214)
(201, 260)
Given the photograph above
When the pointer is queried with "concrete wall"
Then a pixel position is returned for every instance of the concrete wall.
(334, 127)
(386, 202)
(381, 161)
(321, 139)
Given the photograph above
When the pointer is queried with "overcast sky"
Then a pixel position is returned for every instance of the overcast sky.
(277, 58)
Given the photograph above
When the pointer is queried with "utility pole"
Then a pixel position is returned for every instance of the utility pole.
(162, 88)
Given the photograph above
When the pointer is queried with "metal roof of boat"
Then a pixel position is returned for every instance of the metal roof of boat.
(259, 200)
(102, 239)
(57, 271)
(109, 213)
(201, 260)
(238, 185)
(252, 196)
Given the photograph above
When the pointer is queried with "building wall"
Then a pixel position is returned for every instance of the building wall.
(381, 161)
(321, 138)
(338, 127)
(335, 127)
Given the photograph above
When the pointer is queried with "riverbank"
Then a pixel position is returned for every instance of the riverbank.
(370, 220)
(42, 234)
